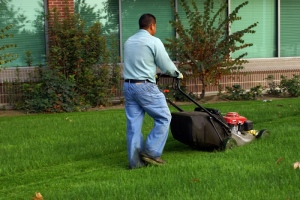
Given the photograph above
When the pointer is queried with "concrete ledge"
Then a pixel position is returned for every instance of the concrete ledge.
(272, 64)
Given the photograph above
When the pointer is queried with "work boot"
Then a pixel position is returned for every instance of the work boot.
(154, 161)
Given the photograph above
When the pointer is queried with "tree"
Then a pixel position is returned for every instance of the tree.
(204, 48)
(82, 55)
(6, 57)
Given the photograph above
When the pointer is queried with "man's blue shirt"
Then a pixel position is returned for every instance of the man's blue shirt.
(142, 54)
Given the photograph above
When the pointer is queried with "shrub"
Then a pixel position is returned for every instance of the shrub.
(254, 92)
(236, 92)
(286, 86)
(290, 86)
(273, 87)
(52, 93)
(85, 56)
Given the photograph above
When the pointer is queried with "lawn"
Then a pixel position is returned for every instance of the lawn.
(82, 155)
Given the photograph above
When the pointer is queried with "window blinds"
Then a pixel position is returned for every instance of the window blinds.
(29, 33)
(289, 28)
(264, 40)
(132, 10)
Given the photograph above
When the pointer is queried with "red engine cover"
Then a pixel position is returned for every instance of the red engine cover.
(234, 118)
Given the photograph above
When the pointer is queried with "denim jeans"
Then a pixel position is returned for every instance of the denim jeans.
(141, 98)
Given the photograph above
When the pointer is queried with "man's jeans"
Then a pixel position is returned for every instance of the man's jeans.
(141, 98)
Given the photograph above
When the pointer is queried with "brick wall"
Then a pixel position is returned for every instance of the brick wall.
(59, 5)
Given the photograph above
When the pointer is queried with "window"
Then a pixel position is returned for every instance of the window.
(182, 14)
(265, 38)
(105, 11)
(289, 28)
(29, 32)
(132, 10)
(200, 7)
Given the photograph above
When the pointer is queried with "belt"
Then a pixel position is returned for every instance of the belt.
(136, 81)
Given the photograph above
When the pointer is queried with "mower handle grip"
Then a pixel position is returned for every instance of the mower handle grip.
(158, 75)
(176, 81)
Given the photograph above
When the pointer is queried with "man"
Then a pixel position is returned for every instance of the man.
(142, 54)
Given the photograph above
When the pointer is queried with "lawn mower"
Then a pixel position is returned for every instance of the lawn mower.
(206, 128)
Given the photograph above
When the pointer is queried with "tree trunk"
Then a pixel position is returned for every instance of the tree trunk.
(202, 95)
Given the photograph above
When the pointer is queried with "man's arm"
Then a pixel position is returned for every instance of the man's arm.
(163, 61)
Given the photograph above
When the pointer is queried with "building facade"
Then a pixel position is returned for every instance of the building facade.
(276, 43)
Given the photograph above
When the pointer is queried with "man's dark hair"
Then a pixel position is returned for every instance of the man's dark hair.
(146, 20)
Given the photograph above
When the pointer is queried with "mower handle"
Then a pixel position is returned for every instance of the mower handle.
(176, 81)
(176, 86)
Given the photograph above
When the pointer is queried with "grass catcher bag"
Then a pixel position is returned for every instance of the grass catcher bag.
(198, 129)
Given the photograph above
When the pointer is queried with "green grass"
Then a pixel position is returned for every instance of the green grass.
(83, 156)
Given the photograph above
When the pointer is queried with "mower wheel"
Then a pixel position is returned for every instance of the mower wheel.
(262, 134)
(229, 143)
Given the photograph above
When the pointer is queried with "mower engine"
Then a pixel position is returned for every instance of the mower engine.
(241, 128)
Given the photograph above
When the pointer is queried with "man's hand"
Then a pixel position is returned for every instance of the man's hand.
(180, 76)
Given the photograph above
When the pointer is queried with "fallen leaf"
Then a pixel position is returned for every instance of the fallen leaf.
(195, 180)
(279, 160)
(297, 165)
(38, 196)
